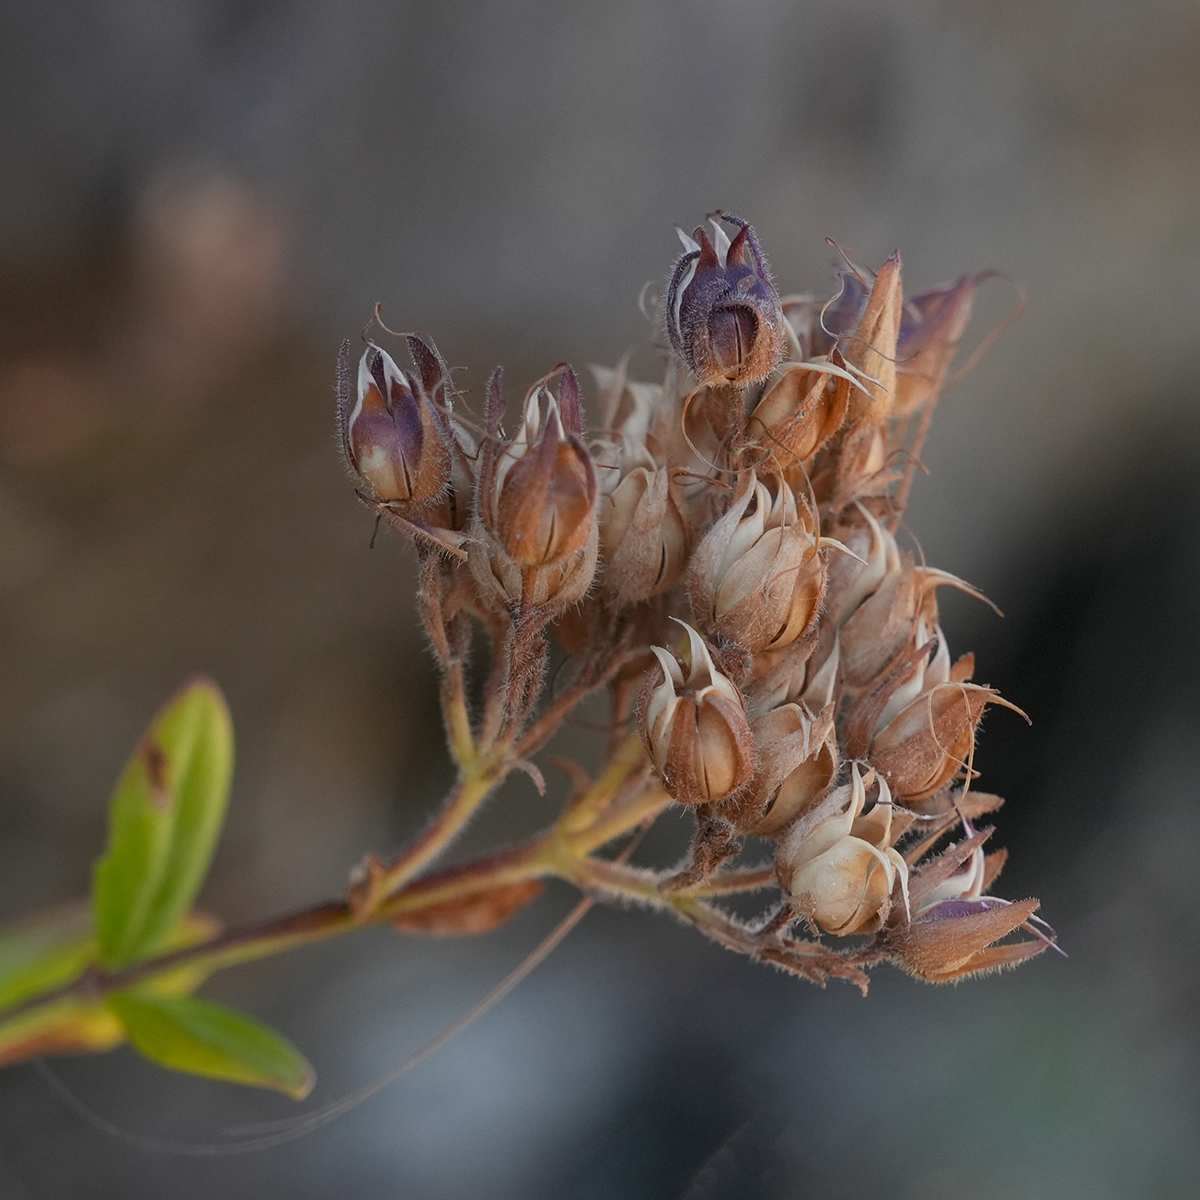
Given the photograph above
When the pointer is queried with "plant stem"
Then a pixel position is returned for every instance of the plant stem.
(560, 852)
(471, 791)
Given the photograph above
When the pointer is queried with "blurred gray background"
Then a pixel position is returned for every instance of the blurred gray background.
(201, 199)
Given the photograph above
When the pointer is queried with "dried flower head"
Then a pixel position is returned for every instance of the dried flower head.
(753, 498)
(824, 713)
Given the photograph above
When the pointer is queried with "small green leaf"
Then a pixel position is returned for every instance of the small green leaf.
(164, 820)
(196, 1036)
(43, 952)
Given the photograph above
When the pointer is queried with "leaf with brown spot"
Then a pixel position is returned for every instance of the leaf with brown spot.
(164, 821)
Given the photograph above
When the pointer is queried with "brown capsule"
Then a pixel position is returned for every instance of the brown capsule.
(757, 577)
(797, 761)
(800, 412)
(645, 531)
(929, 741)
(645, 534)
(956, 938)
(693, 723)
(722, 312)
(535, 537)
(873, 554)
(884, 623)
(544, 490)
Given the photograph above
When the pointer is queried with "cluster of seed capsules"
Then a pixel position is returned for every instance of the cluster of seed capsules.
(723, 553)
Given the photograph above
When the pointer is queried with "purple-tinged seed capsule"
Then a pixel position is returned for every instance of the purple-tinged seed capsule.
(722, 311)
(393, 436)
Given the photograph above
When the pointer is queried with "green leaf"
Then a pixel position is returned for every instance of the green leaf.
(163, 825)
(43, 952)
(188, 1034)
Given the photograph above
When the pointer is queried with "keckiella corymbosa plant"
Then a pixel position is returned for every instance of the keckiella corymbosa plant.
(720, 554)
(761, 631)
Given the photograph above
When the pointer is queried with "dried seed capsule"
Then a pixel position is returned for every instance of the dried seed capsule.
(395, 438)
(801, 411)
(722, 312)
(644, 534)
(544, 490)
(928, 742)
(955, 938)
(869, 347)
(835, 871)
(693, 724)
(535, 530)
(854, 576)
(797, 760)
(757, 577)
(645, 530)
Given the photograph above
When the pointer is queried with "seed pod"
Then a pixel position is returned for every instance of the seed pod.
(395, 436)
(645, 531)
(452, 510)
(854, 576)
(928, 742)
(757, 577)
(797, 760)
(841, 882)
(544, 490)
(955, 938)
(800, 412)
(884, 623)
(535, 529)
(722, 312)
(694, 727)
(644, 535)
